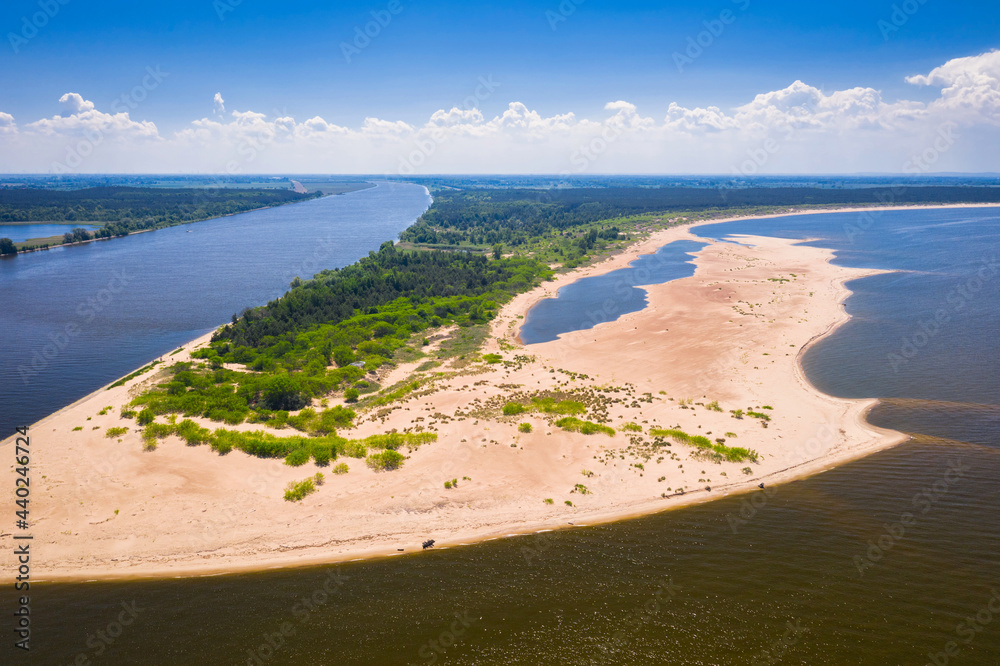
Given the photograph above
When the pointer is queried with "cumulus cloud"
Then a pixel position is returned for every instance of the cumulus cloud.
(970, 88)
(809, 129)
(7, 124)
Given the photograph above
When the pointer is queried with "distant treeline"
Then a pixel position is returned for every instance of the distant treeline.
(514, 216)
(127, 209)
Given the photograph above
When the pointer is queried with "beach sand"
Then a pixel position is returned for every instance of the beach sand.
(734, 332)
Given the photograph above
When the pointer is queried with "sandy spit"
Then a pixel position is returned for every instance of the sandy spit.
(734, 333)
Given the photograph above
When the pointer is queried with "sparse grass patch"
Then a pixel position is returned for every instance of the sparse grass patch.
(714, 406)
(524, 427)
(296, 492)
(111, 433)
(729, 453)
(341, 468)
(630, 427)
(574, 424)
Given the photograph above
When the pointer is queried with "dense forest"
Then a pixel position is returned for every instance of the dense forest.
(124, 210)
(513, 216)
(326, 333)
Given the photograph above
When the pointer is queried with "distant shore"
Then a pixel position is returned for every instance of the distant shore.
(106, 510)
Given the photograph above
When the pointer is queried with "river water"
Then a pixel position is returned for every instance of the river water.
(893, 559)
(76, 318)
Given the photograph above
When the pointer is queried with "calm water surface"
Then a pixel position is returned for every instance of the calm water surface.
(76, 318)
(882, 561)
(602, 298)
(22, 232)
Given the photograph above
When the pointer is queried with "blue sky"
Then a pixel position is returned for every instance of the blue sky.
(286, 58)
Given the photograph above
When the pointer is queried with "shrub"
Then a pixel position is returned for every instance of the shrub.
(77, 428)
(296, 492)
(351, 395)
(550, 406)
(335, 417)
(298, 457)
(115, 432)
(720, 451)
(192, 433)
(145, 417)
(513, 409)
(322, 453)
(548, 500)
(341, 468)
(524, 427)
(492, 358)
(574, 424)
(385, 461)
(714, 406)
(737, 413)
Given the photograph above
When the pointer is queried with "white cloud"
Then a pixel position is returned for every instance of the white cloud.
(971, 88)
(7, 124)
(814, 130)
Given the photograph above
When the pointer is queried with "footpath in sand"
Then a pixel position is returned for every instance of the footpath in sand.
(732, 334)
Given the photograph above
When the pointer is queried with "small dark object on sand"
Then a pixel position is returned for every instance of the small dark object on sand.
(761, 486)
(428, 543)
(400, 549)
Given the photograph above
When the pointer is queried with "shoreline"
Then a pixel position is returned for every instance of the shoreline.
(286, 557)
(143, 231)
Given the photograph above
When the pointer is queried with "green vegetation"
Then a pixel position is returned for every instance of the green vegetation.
(341, 468)
(548, 500)
(123, 210)
(105, 410)
(759, 415)
(77, 428)
(492, 358)
(524, 427)
(714, 406)
(451, 484)
(296, 492)
(514, 408)
(112, 433)
(385, 461)
(135, 374)
(630, 427)
(720, 451)
(574, 424)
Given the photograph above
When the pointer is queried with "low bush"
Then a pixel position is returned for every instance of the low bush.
(574, 424)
